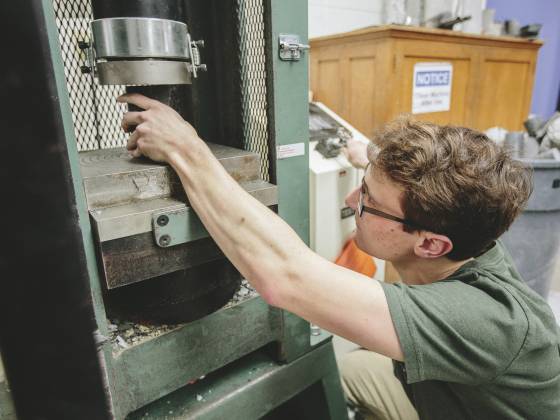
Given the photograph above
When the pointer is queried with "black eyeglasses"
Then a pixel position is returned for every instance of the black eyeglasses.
(371, 210)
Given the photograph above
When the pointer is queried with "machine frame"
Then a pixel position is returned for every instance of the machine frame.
(73, 369)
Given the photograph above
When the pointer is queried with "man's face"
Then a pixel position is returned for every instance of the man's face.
(375, 235)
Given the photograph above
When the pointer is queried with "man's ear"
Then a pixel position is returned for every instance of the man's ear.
(432, 245)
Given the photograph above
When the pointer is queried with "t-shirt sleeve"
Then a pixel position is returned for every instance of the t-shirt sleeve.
(451, 331)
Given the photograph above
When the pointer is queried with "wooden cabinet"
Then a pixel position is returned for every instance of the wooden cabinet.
(366, 76)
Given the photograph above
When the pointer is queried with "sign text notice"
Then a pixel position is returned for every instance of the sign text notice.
(431, 87)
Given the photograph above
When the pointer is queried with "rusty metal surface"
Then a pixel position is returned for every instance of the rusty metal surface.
(129, 219)
(123, 193)
(136, 258)
(136, 217)
(112, 177)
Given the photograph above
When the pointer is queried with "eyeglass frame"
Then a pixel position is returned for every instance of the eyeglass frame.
(362, 208)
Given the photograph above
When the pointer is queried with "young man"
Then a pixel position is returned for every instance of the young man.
(468, 338)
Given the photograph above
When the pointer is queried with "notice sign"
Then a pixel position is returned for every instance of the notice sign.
(431, 87)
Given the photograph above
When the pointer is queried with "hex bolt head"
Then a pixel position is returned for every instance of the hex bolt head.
(162, 220)
(164, 240)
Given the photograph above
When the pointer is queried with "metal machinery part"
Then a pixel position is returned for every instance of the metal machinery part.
(153, 249)
(7, 410)
(330, 135)
(152, 54)
(143, 51)
(93, 242)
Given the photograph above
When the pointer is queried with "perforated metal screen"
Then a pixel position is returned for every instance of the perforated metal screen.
(97, 115)
(253, 79)
(95, 112)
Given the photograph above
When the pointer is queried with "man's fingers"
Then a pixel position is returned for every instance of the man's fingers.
(137, 99)
(136, 153)
(131, 120)
(132, 140)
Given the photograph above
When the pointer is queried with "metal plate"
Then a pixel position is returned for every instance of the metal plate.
(177, 227)
(137, 217)
(112, 177)
(144, 72)
(136, 37)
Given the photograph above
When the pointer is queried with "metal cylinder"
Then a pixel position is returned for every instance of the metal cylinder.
(166, 83)
(133, 37)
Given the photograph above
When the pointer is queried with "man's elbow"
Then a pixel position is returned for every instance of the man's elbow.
(275, 284)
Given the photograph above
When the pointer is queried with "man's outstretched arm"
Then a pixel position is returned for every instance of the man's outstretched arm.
(265, 249)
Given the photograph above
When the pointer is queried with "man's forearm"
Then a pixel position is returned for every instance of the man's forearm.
(261, 245)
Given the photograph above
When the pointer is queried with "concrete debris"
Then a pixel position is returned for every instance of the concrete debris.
(246, 291)
(124, 334)
(121, 342)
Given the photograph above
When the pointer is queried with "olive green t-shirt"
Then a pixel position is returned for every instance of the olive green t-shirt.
(478, 345)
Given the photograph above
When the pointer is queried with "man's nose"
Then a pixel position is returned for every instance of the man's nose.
(352, 199)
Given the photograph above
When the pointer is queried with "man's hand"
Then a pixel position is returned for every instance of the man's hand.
(159, 133)
(356, 153)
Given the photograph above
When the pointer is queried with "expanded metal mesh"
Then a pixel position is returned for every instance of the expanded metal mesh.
(252, 57)
(95, 112)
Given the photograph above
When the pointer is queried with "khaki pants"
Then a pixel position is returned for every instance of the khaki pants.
(369, 383)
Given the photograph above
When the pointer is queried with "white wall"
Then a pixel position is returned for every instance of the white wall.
(328, 17)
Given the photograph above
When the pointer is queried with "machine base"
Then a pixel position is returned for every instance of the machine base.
(256, 387)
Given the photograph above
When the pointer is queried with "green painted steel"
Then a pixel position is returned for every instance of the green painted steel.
(7, 409)
(163, 364)
(75, 175)
(295, 337)
(76, 179)
(157, 367)
(255, 386)
(289, 116)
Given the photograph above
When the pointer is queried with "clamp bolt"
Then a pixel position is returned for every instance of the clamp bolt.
(164, 240)
(163, 220)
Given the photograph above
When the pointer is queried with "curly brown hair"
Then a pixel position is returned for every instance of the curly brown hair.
(455, 180)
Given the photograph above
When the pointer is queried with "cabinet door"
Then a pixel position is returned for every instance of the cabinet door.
(410, 53)
(363, 85)
(326, 77)
(345, 77)
(504, 95)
